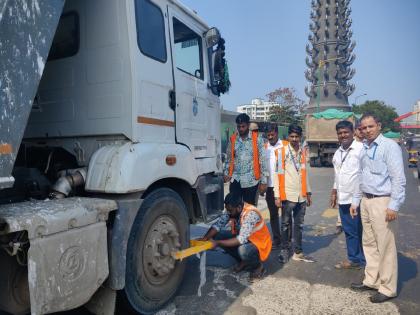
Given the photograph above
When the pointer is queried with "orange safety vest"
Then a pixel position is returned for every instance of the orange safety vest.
(255, 153)
(281, 165)
(260, 235)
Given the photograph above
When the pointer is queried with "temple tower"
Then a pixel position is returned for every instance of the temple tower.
(330, 55)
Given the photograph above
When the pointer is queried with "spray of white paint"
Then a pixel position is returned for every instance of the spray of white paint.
(35, 5)
(3, 9)
(202, 271)
(31, 273)
(219, 283)
(41, 63)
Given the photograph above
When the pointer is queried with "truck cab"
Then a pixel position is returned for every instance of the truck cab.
(113, 148)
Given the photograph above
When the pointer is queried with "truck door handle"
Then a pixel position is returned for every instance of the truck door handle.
(172, 99)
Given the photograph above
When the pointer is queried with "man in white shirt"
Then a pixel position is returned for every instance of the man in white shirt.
(273, 144)
(346, 163)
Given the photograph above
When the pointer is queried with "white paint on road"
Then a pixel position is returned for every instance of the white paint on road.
(202, 272)
(415, 174)
(274, 296)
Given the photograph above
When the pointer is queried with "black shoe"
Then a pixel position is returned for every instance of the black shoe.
(361, 287)
(284, 256)
(379, 298)
(338, 230)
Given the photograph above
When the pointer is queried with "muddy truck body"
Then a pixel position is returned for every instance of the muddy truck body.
(109, 149)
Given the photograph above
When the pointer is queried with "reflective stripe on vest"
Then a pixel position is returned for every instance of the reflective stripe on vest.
(255, 154)
(260, 235)
(281, 165)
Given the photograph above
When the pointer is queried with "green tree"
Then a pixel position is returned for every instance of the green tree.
(290, 108)
(384, 112)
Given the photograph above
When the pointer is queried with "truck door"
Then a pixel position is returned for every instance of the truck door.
(196, 113)
(153, 75)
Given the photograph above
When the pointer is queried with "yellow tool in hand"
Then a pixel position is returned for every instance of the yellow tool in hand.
(196, 247)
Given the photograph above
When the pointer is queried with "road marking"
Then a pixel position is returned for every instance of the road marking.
(330, 213)
(415, 174)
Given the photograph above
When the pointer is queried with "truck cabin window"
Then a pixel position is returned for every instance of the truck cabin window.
(150, 30)
(188, 50)
(66, 38)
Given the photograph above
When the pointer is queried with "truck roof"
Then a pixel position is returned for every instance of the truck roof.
(190, 12)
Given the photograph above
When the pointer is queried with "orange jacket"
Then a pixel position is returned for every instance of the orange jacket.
(260, 236)
(254, 135)
(281, 171)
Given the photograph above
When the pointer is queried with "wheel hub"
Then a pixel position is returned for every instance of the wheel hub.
(161, 241)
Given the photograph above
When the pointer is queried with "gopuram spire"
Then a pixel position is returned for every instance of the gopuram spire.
(330, 55)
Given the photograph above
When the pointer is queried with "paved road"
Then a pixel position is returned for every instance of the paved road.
(304, 288)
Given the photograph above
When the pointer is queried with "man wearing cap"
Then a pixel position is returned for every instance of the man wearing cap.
(248, 240)
(245, 167)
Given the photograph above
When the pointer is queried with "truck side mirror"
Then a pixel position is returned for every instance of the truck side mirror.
(212, 37)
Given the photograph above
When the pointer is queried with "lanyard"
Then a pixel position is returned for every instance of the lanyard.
(374, 152)
(345, 156)
(293, 158)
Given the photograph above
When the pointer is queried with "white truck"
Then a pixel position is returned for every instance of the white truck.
(109, 149)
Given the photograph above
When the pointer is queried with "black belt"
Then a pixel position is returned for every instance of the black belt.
(370, 196)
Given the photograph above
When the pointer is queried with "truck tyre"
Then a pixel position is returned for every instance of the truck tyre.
(160, 228)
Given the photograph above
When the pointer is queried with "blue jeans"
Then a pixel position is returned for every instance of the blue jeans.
(353, 231)
(247, 252)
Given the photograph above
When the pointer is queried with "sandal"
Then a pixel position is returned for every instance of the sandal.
(348, 265)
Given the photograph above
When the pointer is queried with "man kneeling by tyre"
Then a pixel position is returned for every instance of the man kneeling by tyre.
(249, 239)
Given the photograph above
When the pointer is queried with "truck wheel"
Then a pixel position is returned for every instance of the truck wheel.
(160, 228)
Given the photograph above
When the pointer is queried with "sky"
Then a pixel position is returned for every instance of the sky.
(266, 39)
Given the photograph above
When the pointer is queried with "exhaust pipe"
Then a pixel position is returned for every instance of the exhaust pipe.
(68, 180)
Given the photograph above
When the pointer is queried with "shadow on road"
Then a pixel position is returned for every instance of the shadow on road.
(314, 239)
(407, 270)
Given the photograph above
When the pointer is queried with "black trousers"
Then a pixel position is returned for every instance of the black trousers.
(274, 215)
(297, 211)
(249, 194)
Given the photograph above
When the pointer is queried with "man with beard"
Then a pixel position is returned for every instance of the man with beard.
(248, 240)
(346, 163)
(293, 193)
(245, 167)
(382, 192)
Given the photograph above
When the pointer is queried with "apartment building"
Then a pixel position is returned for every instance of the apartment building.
(257, 110)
